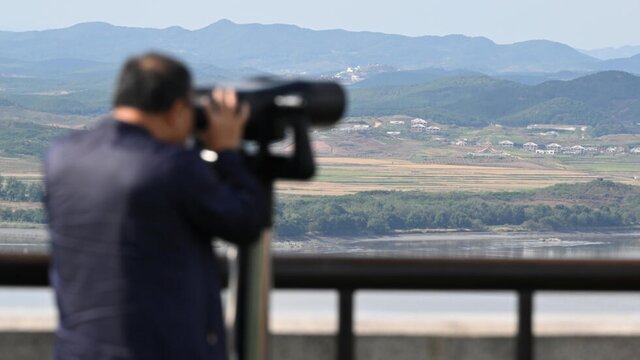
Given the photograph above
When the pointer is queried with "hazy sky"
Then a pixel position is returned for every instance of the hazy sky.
(584, 24)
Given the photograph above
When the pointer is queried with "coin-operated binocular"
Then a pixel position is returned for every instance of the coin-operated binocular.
(277, 106)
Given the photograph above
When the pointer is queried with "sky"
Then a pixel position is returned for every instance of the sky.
(584, 24)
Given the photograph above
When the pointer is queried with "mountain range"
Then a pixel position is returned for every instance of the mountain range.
(290, 49)
(455, 79)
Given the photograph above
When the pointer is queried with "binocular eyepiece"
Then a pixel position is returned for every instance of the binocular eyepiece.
(277, 103)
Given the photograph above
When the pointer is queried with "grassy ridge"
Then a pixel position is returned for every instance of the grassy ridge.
(25, 138)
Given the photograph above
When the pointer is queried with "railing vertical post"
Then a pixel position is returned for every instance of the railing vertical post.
(524, 346)
(345, 324)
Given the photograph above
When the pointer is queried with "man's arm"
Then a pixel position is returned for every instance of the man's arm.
(226, 202)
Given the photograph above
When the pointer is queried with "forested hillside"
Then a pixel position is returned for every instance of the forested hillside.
(609, 102)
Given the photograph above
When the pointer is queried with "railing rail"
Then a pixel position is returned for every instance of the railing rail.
(348, 274)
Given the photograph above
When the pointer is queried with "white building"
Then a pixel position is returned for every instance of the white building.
(432, 130)
(418, 121)
(353, 128)
(396, 122)
(418, 128)
(530, 146)
(506, 143)
(577, 149)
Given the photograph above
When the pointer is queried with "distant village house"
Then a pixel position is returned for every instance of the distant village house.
(351, 127)
(416, 128)
(506, 143)
(553, 148)
(432, 130)
(577, 149)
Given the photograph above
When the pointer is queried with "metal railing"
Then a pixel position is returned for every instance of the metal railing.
(346, 275)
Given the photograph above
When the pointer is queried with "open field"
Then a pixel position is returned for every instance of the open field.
(353, 162)
(339, 176)
(26, 168)
(15, 205)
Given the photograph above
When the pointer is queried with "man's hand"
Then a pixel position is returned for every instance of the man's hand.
(227, 119)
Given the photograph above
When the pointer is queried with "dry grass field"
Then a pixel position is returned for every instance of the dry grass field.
(345, 175)
(24, 168)
(20, 205)
(434, 169)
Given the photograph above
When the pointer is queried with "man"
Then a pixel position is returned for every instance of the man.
(132, 212)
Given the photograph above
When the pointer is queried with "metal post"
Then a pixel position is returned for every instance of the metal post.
(249, 289)
(524, 347)
(345, 325)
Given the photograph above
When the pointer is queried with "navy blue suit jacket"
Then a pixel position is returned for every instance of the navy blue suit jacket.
(131, 222)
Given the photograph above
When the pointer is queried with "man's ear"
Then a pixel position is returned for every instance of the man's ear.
(175, 110)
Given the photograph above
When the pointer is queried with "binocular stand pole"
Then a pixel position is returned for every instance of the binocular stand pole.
(250, 281)
(248, 301)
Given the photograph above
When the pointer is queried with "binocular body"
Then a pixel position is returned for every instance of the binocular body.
(277, 104)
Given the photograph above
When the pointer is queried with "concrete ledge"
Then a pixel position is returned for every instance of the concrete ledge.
(26, 345)
(38, 345)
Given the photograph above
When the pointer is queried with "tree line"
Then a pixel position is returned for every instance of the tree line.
(559, 207)
(36, 216)
(385, 212)
(12, 189)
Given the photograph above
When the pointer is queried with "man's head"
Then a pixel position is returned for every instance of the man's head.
(153, 91)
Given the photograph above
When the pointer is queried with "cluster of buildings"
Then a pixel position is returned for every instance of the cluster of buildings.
(353, 127)
(397, 126)
(552, 149)
(422, 126)
(416, 125)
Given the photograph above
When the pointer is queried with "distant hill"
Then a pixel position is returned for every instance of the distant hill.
(416, 77)
(607, 101)
(287, 48)
(83, 87)
(631, 64)
(410, 77)
(613, 52)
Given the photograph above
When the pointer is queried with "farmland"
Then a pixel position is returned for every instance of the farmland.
(339, 176)
(455, 159)
(372, 160)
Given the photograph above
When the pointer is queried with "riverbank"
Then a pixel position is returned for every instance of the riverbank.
(612, 242)
(615, 243)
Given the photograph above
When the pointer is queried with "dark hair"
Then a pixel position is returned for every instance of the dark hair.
(152, 82)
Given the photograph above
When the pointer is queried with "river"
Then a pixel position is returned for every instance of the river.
(401, 312)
